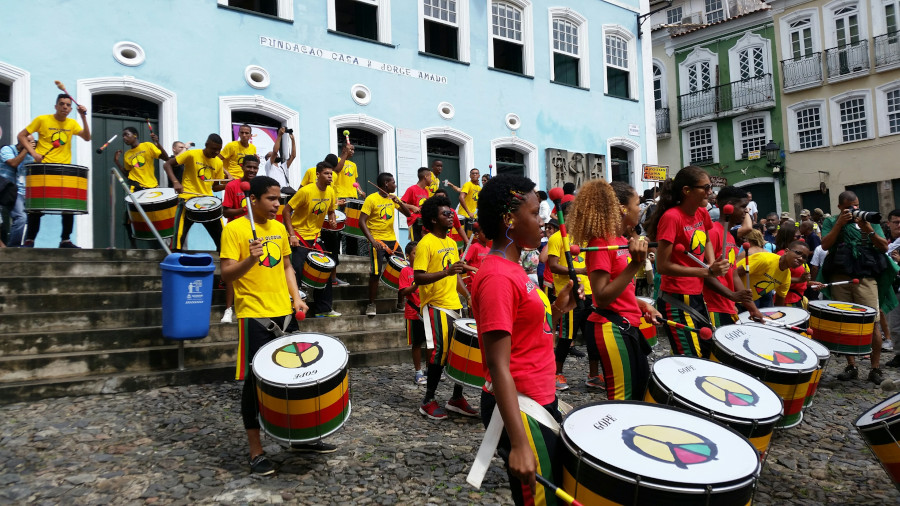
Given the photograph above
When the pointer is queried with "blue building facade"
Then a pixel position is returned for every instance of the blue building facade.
(508, 85)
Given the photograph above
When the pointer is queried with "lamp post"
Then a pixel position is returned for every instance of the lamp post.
(773, 158)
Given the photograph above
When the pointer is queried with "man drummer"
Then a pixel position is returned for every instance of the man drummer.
(200, 166)
(331, 239)
(414, 196)
(234, 206)
(303, 217)
(346, 187)
(233, 153)
(377, 223)
(140, 166)
(54, 145)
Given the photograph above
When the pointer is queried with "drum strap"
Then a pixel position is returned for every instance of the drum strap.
(270, 325)
(672, 301)
(314, 246)
(426, 318)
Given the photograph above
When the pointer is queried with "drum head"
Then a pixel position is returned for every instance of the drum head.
(203, 203)
(648, 300)
(299, 359)
(794, 316)
(339, 216)
(354, 203)
(715, 387)
(660, 443)
(766, 347)
(466, 326)
(153, 195)
(320, 259)
(398, 262)
(854, 311)
(884, 412)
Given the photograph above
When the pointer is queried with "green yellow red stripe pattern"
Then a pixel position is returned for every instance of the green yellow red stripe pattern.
(616, 362)
(464, 364)
(544, 463)
(304, 413)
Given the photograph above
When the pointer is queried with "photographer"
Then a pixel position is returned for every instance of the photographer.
(856, 249)
(275, 167)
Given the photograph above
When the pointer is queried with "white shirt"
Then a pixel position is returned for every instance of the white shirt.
(818, 257)
(894, 245)
(276, 172)
(544, 212)
(751, 208)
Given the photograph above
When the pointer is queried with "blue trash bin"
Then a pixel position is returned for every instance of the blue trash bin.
(187, 287)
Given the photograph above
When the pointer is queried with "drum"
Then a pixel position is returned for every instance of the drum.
(880, 429)
(717, 392)
(340, 217)
(458, 239)
(648, 329)
(352, 209)
(464, 359)
(317, 269)
(784, 315)
(56, 188)
(282, 200)
(777, 358)
(843, 327)
(390, 276)
(160, 205)
(303, 386)
(628, 452)
(203, 209)
(822, 354)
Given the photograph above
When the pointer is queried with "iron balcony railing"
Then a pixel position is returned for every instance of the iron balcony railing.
(847, 59)
(722, 99)
(802, 71)
(887, 49)
(662, 121)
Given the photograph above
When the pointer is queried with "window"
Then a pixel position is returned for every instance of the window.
(657, 87)
(700, 144)
(893, 111)
(715, 12)
(619, 165)
(568, 48)
(846, 25)
(511, 38)
(617, 66)
(674, 16)
(283, 9)
(809, 127)
(441, 28)
(751, 63)
(752, 135)
(851, 116)
(892, 16)
(366, 19)
(801, 38)
(888, 108)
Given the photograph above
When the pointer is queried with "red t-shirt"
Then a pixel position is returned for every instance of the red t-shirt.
(715, 302)
(614, 262)
(414, 195)
(795, 294)
(474, 257)
(234, 198)
(506, 300)
(677, 227)
(406, 281)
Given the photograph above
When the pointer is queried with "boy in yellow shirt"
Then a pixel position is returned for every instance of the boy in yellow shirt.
(234, 152)
(377, 223)
(140, 166)
(770, 274)
(468, 196)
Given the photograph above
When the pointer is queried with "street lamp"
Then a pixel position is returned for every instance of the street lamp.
(773, 157)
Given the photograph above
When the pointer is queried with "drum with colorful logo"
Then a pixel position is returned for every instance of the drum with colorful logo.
(879, 427)
(390, 276)
(56, 188)
(717, 392)
(460, 241)
(203, 209)
(340, 218)
(160, 205)
(648, 330)
(352, 209)
(781, 315)
(464, 359)
(843, 327)
(822, 354)
(303, 386)
(778, 359)
(628, 452)
(317, 269)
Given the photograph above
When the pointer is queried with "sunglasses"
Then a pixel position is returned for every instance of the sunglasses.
(706, 187)
(447, 213)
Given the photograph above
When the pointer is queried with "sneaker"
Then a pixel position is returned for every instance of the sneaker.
(401, 306)
(339, 282)
(227, 317)
(595, 382)
(850, 373)
(261, 465)
(461, 406)
(68, 244)
(561, 383)
(575, 352)
(894, 362)
(420, 378)
(317, 447)
(370, 310)
(875, 376)
(28, 244)
(433, 410)
(330, 314)
(887, 346)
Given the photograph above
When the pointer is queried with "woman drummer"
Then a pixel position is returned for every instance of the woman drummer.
(514, 330)
(681, 222)
(603, 214)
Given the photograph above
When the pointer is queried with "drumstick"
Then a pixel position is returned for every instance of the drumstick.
(468, 245)
(679, 248)
(62, 87)
(562, 494)
(808, 331)
(149, 126)
(746, 247)
(219, 180)
(347, 135)
(837, 283)
(556, 195)
(576, 249)
(245, 187)
(375, 185)
(726, 215)
(704, 332)
(101, 148)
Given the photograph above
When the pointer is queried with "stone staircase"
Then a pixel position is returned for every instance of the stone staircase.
(76, 322)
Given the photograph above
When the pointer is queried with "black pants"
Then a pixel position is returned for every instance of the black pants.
(257, 337)
(331, 241)
(34, 226)
(323, 298)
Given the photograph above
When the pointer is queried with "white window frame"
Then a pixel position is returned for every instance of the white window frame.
(634, 158)
(736, 128)
(680, 9)
(631, 46)
(384, 18)
(462, 29)
(527, 34)
(794, 130)
(881, 109)
(19, 82)
(725, 14)
(814, 25)
(663, 85)
(748, 42)
(879, 21)
(829, 17)
(532, 171)
(686, 145)
(698, 55)
(285, 9)
(837, 137)
(584, 57)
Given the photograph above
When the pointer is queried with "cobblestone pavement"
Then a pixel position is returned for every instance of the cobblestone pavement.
(186, 445)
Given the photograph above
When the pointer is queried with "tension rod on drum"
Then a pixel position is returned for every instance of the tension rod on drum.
(140, 209)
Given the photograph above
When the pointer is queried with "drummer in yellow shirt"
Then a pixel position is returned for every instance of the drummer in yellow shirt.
(771, 274)
(233, 153)
(377, 223)
(54, 145)
(347, 187)
(140, 166)
(468, 195)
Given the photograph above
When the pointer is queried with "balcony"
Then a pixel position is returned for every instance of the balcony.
(846, 60)
(729, 99)
(887, 50)
(662, 121)
(802, 72)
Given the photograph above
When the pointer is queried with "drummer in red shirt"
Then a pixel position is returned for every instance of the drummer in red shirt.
(234, 205)
(414, 196)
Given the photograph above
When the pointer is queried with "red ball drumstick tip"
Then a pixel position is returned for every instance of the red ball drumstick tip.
(746, 246)
(299, 315)
(679, 248)
(356, 185)
(556, 193)
(245, 186)
(809, 331)
(705, 333)
(855, 281)
(728, 209)
(575, 249)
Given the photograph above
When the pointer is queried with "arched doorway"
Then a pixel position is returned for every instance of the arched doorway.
(447, 153)
(365, 155)
(620, 165)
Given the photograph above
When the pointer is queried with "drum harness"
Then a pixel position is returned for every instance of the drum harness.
(672, 301)
(270, 325)
(626, 327)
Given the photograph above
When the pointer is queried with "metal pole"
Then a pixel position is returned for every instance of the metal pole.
(112, 211)
(141, 210)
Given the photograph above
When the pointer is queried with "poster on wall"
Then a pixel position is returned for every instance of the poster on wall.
(263, 137)
(565, 166)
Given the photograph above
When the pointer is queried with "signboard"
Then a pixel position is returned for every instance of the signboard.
(655, 173)
(634, 129)
(753, 155)
(718, 181)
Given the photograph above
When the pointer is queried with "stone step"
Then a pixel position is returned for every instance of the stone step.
(19, 255)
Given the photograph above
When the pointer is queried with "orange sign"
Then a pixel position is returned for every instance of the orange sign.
(655, 172)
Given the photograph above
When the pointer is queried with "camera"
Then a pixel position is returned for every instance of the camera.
(870, 216)
(288, 130)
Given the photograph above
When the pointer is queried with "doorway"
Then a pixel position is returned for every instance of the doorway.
(365, 155)
(764, 196)
(619, 165)
(448, 153)
(816, 199)
(867, 194)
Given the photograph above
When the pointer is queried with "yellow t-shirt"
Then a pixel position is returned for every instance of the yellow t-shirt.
(140, 162)
(471, 190)
(433, 187)
(233, 153)
(433, 255)
(311, 207)
(263, 291)
(381, 211)
(54, 137)
(555, 248)
(765, 275)
(309, 177)
(343, 181)
(198, 169)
